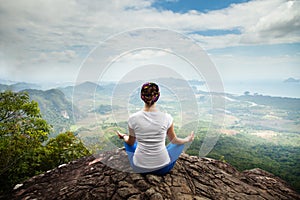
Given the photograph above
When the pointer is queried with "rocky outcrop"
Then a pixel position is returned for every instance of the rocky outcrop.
(191, 178)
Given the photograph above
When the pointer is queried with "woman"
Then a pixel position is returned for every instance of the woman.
(148, 128)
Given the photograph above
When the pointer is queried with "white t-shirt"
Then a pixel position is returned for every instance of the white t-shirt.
(150, 130)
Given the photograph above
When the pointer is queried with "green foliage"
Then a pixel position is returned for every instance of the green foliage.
(62, 149)
(247, 152)
(22, 134)
(20, 116)
(55, 109)
(22, 131)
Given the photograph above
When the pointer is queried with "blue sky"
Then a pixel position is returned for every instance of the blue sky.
(183, 6)
(42, 41)
(260, 50)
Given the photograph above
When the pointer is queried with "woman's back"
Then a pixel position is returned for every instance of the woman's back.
(150, 130)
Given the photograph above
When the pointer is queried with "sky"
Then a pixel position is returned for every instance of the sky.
(50, 40)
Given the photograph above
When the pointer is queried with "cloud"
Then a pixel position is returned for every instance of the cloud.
(145, 54)
(64, 31)
(281, 24)
(59, 56)
(77, 22)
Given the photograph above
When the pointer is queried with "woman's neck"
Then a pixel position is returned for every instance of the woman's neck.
(150, 108)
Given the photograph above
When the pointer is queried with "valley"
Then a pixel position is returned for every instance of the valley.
(257, 131)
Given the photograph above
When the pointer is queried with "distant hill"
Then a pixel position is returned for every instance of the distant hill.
(291, 80)
(3, 87)
(286, 103)
(165, 84)
(16, 87)
(55, 108)
(90, 90)
(7, 82)
(22, 86)
(86, 89)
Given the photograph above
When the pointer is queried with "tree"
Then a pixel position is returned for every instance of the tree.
(62, 149)
(22, 132)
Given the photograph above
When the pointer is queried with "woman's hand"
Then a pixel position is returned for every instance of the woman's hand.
(175, 140)
(191, 137)
(129, 139)
(120, 135)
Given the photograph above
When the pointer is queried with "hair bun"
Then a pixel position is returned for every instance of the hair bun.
(150, 93)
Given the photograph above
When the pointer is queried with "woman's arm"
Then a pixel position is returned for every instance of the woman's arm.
(175, 140)
(129, 139)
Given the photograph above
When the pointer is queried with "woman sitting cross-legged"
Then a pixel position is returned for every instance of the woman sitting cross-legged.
(148, 129)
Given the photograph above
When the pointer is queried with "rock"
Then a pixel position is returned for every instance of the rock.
(191, 178)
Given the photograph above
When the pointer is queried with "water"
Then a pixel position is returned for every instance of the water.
(271, 88)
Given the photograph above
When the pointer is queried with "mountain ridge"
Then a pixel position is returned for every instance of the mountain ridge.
(55, 108)
(191, 178)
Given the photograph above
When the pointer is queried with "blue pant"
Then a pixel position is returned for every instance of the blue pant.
(174, 151)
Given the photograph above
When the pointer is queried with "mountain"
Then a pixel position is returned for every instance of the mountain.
(191, 178)
(22, 86)
(291, 80)
(7, 82)
(16, 87)
(3, 87)
(83, 90)
(55, 108)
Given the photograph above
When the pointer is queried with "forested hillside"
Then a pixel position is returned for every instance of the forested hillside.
(25, 149)
(55, 108)
(246, 153)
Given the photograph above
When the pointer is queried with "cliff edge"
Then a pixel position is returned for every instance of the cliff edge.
(191, 178)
